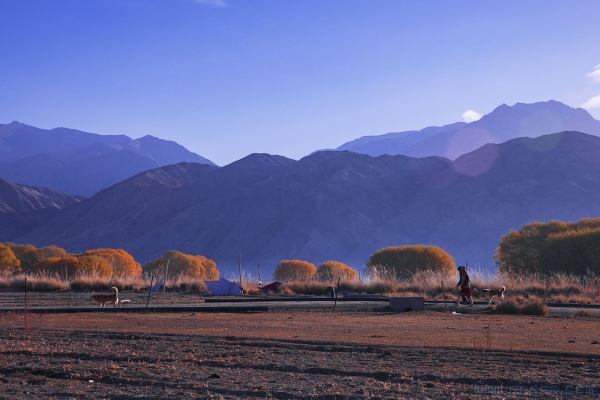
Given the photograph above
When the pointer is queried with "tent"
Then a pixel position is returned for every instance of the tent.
(222, 287)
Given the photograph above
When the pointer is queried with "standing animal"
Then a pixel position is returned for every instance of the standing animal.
(107, 298)
(494, 293)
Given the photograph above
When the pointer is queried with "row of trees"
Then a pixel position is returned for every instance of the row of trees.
(26, 258)
(572, 247)
(556, 246)
(104, 263)
(395, 261)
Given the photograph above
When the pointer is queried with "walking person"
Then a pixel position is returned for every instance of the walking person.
(464, 285)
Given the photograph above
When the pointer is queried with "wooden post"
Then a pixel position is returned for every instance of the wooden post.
(546, 291)
(336, 293)
(26, 313)
(444, 293)
(149, 291)
(240, 270)
(165, 279)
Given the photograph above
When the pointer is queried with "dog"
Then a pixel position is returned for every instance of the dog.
(494, 293)
(107, 298)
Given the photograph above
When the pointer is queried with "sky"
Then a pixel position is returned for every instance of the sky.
(227, 78)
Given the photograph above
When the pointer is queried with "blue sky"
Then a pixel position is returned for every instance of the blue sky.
(227, 78)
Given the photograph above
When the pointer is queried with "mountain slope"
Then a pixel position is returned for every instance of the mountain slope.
(24, 207)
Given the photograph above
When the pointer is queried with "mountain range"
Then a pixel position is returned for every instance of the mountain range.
(337, 205)
(502, 124)
(81, 163)
(330, 205)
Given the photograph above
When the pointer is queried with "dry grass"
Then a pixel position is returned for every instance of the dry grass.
(561, 288)
(583, 314)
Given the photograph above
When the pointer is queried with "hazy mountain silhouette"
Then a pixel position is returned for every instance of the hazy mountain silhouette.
(79, 162)
(25, 207)
(502, 124)
(337, 205)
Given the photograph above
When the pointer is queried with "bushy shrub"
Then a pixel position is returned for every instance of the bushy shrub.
(411, 258)
(508, 306)
(534, 307)
(181, 264)
(553, 246)
(52, 251)
(330, 271)
(122, 263)
(294, 270)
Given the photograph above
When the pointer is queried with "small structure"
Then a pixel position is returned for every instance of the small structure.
(222, 287)
(404, 304)
(157, 286)
(270, 288)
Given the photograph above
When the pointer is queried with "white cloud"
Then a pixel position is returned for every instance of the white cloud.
(595, 74)
(470, 116)
(213, 3)
(594, 102)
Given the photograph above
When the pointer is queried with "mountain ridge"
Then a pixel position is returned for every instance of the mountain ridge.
(338, 205)
(82, 163)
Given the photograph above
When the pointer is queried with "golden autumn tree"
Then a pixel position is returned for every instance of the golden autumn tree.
(52, 251)
(410, 258)
(332, 270)
(9, 263)
(294, 270)
(180, 263)
(72, 266)
(122, 263)
(27, 254)
(94, 265)
(573, 252)
(522, 251)
(63, 266)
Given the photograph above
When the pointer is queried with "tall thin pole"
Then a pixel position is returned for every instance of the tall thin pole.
(240, 269)
(149, 291)
(259, 276)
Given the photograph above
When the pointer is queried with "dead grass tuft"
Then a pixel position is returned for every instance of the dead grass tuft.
(534, 307)
(583, 314)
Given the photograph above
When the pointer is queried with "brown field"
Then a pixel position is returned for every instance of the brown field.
(305, 352)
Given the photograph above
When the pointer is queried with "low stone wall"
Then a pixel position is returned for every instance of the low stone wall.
(403, 304)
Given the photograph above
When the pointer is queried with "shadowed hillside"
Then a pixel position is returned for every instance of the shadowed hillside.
(25, 207)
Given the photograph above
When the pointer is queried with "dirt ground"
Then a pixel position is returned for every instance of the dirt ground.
(298, 353)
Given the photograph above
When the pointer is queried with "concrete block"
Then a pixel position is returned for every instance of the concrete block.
(403, 304)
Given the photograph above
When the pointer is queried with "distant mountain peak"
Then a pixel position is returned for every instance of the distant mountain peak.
(502, 124)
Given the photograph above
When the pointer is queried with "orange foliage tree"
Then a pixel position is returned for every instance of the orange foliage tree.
(63, 266)
(9, 263)
(410, 258)
(27, 254)
(52, 251)
(294, 270)
(332, 270)
(94, 266)
(529, 249)
(179, 263)
(71, 266)
(122, 263)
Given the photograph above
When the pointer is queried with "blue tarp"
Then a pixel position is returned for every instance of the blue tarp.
(157, 287)
(222, 287)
